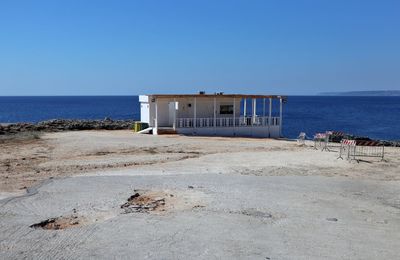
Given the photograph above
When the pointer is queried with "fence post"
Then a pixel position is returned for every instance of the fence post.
(340, 151)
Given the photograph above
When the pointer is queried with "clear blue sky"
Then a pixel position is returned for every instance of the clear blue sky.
(131, 47)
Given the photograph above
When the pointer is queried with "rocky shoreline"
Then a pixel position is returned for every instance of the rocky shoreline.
(336, 137)
(390, 143)
(58, 125)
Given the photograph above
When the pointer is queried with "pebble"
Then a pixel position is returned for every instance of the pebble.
(332, 219)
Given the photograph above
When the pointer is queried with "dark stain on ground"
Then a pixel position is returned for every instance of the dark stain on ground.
(57, 223)
(143, 203)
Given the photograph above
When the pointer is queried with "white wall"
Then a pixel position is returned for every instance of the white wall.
(152, 113)
(258, 131)
(144, 108)
(144, 112)
(163, 112)
(205, 107)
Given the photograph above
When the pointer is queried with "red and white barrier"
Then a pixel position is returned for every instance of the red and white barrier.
(349, 142)
(355, 151)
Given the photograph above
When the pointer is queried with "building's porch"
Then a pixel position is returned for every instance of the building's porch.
(226, 122)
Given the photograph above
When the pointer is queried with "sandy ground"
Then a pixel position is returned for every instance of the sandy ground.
(115, 194)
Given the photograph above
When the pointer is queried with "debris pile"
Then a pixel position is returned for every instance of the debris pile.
(57, 223)
(144, 203)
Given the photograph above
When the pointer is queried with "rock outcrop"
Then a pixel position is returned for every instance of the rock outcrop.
(58, 125)
(337, 136)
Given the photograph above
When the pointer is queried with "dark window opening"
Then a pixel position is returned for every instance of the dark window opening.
(226, 109)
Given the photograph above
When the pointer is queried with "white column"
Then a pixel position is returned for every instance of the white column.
(270, 117)
(244, 111)
(244, 106)
(215, 112)
(174, 123)
(280, 117)
(270, 112)
(263, 111)
(234, 113)
(254, 110)
(195, 112)
(156, 119)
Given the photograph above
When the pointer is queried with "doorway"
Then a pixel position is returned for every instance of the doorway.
(172, 108)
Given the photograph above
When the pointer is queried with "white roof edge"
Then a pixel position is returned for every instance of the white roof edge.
(143, 98)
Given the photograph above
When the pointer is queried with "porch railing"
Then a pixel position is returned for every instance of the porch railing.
(226, 122)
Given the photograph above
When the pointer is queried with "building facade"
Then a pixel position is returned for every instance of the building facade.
(212, 114)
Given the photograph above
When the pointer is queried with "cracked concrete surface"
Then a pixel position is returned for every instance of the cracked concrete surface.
(244, 217)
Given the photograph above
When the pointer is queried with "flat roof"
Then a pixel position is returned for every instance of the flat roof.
(216, 95)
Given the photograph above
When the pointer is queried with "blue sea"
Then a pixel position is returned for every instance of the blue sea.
(375, 117)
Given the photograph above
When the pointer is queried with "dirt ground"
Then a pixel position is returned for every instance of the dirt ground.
(116, 194)
(28, 161)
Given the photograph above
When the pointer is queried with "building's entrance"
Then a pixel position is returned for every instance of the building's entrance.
(172, 107)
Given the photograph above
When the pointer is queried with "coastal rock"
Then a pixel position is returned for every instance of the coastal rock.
(337, 136)
(390, 143)
(57, 125)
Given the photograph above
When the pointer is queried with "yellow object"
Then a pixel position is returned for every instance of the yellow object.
(139, 126)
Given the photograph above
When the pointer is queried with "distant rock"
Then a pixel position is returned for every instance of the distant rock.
(386, 93)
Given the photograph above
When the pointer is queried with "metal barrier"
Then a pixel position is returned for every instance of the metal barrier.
(301, 138)
(352, 151)
(345, 146)
(367, 151)
(321, 140)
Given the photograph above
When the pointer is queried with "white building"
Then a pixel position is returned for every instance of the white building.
(211, 114)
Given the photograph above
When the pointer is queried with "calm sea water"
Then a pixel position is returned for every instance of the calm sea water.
(375, 117)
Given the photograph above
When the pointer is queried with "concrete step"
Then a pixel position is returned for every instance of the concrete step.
(166, 131)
